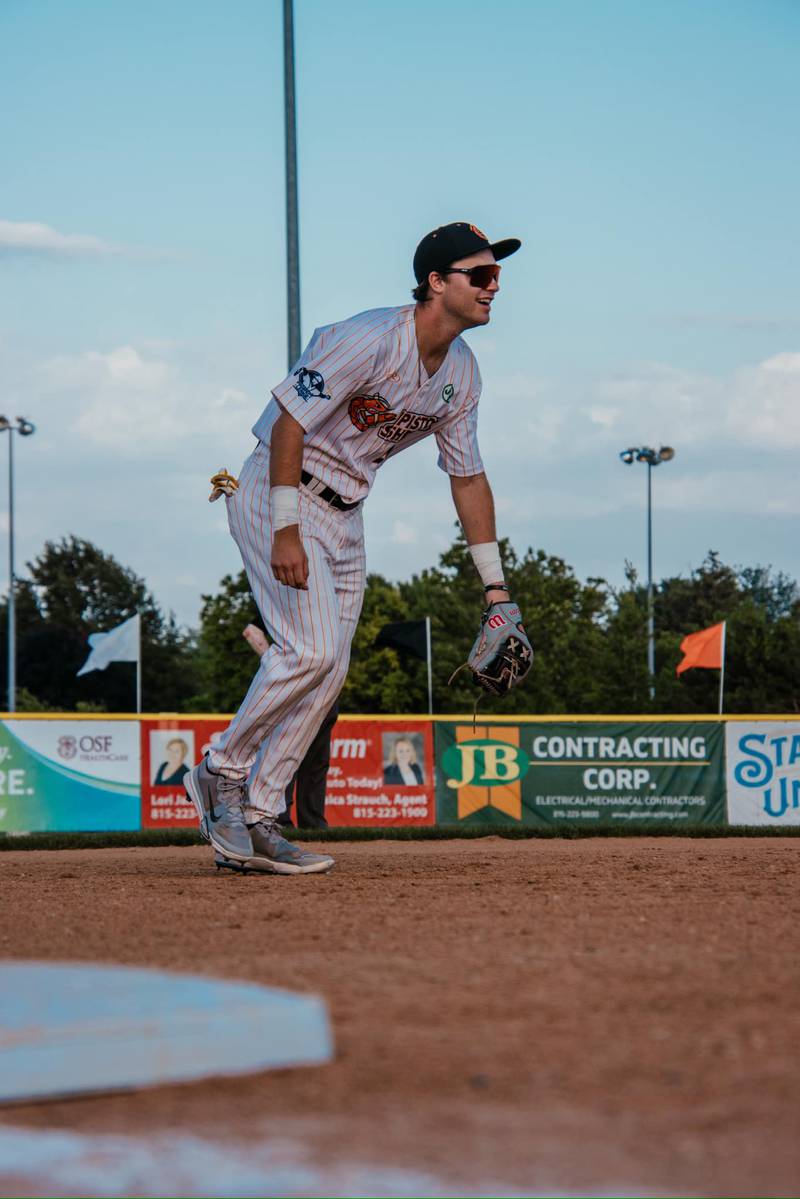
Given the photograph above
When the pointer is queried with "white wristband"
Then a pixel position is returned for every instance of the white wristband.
(283, 507)
(486, 557)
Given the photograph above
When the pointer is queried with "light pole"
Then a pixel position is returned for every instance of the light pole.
(292, 223)
(651, 458)
(24, 428)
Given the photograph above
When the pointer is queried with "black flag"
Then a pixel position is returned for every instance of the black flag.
(408, 636)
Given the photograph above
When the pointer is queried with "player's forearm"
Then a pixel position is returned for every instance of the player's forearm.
(286, 452)
(474, 503)
(289, 562)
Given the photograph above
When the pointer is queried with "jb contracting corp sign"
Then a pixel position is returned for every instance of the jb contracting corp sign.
(607, 773)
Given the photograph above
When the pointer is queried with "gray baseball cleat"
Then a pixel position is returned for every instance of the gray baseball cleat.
(219, 802)
(273, 854)
(225, 863)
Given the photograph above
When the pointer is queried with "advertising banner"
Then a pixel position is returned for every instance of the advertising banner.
(69, 775)
(170, 748)
(607, 773)
(380, 774)
(763, 772)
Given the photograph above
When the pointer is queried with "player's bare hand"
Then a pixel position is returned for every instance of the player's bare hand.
(289, 562)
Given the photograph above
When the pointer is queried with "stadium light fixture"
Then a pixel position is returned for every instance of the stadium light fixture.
(650, 457)
(25, 428)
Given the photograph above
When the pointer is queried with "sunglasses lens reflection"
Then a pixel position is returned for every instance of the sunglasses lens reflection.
(482, 276)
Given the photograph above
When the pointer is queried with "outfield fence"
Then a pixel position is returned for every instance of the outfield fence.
(63, 772)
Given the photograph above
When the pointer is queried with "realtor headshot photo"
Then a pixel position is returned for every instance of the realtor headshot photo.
(403, 759)
(171, 757)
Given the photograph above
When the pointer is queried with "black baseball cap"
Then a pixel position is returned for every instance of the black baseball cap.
(448, 243)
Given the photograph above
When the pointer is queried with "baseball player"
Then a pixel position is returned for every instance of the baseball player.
(364, 389)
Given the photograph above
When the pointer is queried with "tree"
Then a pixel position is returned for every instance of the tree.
(225, 663)
(76, 589)
(382, 680)
(590, 640)
(761, 609)
(621, 663)
(566, 635)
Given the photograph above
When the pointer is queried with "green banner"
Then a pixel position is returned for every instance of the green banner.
(586, 773)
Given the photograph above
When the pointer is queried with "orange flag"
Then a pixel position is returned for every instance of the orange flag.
(706, 648)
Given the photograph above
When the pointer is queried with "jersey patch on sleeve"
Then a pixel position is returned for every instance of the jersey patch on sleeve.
(310, 384)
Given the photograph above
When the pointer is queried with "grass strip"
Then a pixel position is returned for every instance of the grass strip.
(147, 838)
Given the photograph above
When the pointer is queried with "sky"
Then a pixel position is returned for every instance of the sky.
(644, 152)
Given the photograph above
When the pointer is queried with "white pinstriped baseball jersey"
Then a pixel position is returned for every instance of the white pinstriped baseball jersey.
(361, 393)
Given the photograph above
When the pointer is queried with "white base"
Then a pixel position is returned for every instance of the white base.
(68, 1028)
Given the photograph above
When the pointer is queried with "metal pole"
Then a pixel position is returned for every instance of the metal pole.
(722, 670)
(292, 235)
(651, 649)
(12, 629)
(430, 669)
(139, 670)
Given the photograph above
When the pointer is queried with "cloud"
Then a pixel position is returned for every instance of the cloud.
(230, 399)
(142, 405)
(551, 451)
(404, 533)
(139, 427)
(123, 367)
(743, 323)
(650, 404)
(125, 401)
(765, 407)
(29, 237)
(521, 418)
(755, 406)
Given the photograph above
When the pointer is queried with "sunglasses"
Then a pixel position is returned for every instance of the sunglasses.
(479, 276)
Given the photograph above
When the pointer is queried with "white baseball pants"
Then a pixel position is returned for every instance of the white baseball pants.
(304, 669)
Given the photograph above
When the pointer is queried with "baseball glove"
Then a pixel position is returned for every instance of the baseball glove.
(502, 654)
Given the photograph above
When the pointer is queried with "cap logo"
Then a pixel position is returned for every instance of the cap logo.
(478, 233)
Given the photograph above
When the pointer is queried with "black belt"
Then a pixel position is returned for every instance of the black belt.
(317, 487)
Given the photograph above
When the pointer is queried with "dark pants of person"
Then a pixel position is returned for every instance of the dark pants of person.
(307, 788)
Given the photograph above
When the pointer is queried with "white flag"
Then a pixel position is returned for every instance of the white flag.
(119, 645)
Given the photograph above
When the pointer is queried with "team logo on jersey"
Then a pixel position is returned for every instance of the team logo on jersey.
(310, 385)
(447, 393)
(406, 423)
(478, 232)
(368, 411)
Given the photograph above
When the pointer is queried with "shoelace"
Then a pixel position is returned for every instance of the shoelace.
(273, 833)
(232, 792)
(270, 829)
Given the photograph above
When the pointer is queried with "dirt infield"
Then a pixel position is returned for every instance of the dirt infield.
(583, 1017)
